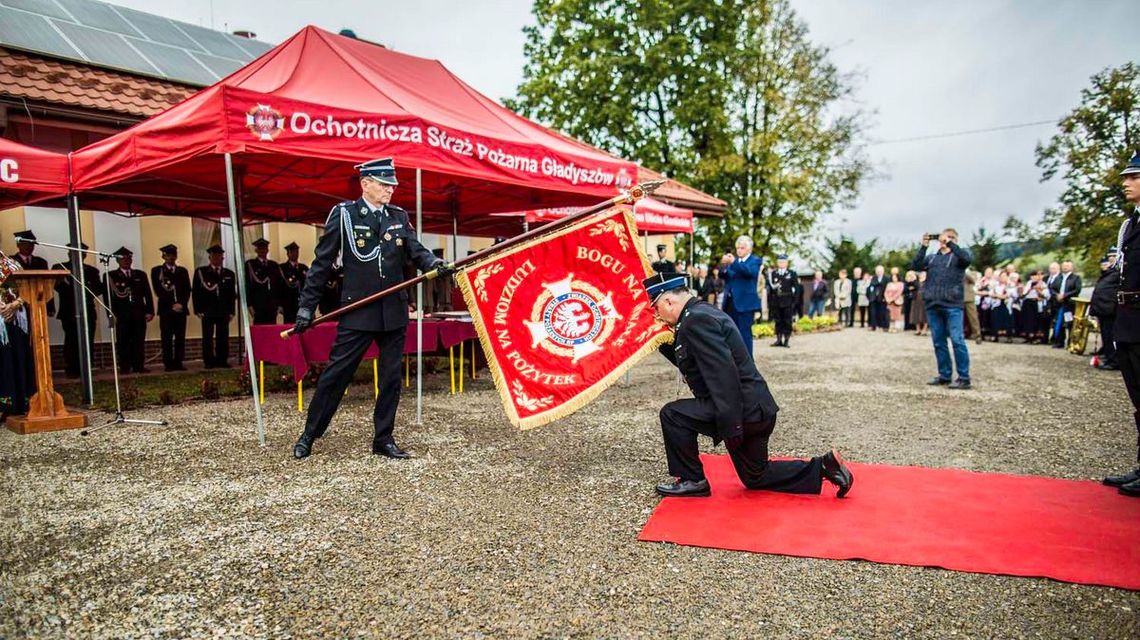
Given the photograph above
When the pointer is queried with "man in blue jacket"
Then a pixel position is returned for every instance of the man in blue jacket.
(741, 273)
(942, 293)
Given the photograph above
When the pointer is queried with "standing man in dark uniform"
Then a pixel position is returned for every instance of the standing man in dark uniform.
(292, 281)
(1127, 325)
(171, 284)
(262, 284)
(128, 295)
(731, 403)
(65, 287)
(215, 296)
(25, 249)
(1102, 305)
(375, 240)
(662, 265)
(782, 283)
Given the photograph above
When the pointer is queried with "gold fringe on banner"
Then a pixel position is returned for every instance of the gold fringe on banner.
(593, 391)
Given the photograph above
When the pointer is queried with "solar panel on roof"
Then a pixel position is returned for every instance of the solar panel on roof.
(216, 43)
(175, 63)
(43, 7)
(34, 33)
(105, 48)
(97, 15)
(158, 29)
(221, 66)
(254, 47)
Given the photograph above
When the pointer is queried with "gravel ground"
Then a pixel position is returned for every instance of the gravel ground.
(194, 530)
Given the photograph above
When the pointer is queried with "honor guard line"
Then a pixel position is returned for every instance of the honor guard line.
(636, 193)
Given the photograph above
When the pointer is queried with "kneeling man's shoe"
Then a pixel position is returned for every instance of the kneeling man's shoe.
(684, 488)
(1131, 489)
(959, 384)
(303, 447)
(1121, 480)
(391, 450)
(837, 473)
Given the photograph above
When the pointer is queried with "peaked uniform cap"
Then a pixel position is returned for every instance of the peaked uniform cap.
(660, 283)
(382, 170)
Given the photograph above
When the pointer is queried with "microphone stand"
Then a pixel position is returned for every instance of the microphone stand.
(105, 261)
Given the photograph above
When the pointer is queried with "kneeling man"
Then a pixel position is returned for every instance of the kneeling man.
(732, 403)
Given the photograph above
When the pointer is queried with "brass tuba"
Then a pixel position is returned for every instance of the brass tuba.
(1082, 325)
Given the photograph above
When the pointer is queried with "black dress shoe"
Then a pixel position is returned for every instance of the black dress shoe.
(1120, 481)
(303, 447)
(934, 382)
(959, 384)
(837, 473)
(391, 450)
(684, 489)
(1131, 489)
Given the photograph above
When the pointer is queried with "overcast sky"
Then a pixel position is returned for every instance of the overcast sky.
(928, 68)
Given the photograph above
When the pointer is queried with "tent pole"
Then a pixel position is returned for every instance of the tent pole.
(239, 254)
(454, 233)
(692, 247)
(77, 272)
(419, 306)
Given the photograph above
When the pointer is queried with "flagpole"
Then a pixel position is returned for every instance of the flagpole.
(633, 195)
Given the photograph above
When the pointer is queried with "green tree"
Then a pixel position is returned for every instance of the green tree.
(1091, 146)
(729, 96)
(984, 247)
(900, 256)
(845, 253)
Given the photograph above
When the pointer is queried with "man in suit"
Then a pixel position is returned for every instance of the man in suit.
(67, 316)
(877, 292)
(782, 285)
(375, 240)
(856, 277)
(731, 403)
(128, 295)
(663, 265)
(1063, 290)
(1051, 306)
(700, 280)
(292, 281)
(171, 283)
(262, 284)
(741, 273)
(1126, 329)
(215, 298)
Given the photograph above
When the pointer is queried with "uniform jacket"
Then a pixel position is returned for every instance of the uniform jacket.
(374, 246)
(783, 287)
(171, 286)
(664, 266)
(740, 282)
(708, 350)
(292, 281)
(1127, 327)
(262, 284)
(330, 293)
(128, 295)
(33, 262)
(214, 292)
(65, 287)
(1103, 301)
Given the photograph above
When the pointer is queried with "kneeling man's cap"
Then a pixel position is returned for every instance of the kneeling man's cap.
(382, 170)
(660, 283)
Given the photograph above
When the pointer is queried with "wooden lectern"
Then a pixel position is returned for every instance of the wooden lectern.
(45, 411)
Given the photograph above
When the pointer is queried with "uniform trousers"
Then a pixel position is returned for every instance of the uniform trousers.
(347, 351)
(288, 311)
(784, 320)
(215, 340)
(1128, 357)
(173, 329)
(71, 341)
(130, 342)
(1108, 353)
(265, 315)
(682, 420)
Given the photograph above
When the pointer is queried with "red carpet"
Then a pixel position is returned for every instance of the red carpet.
(1074, 531)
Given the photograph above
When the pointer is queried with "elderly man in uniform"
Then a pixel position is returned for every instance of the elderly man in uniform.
(663, 265)
(731, 404)
(215, 295)
(171, 283)
(782, 282)
(128, 295)
(262, 284)
(1126, 329)
(375, 240)
(66, 314)
(292, 281)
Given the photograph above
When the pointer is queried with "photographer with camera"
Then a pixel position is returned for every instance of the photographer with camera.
(945, 276)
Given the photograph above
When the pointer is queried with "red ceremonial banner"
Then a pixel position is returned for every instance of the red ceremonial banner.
(563, 316)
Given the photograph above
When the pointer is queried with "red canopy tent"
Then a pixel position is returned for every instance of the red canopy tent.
(651, 215)
(29, 175)
(296, 119)
(276, 140)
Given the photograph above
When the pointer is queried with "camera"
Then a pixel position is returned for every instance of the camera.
(932, 236)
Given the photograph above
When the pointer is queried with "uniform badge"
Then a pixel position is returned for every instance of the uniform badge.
(360, 242)
(387, 236)
(399, 242)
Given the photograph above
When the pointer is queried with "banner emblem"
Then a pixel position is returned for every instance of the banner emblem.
(574, 316)
(264, 122)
